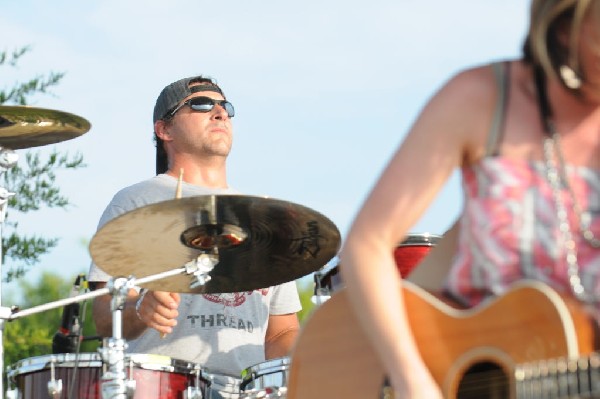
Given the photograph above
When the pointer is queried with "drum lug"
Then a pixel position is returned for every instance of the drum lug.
(54, 385)
(55, 388)
(130, 383)
(117, 388)
(113, 382)
(193, 393)
(12, 393)
(130, 386)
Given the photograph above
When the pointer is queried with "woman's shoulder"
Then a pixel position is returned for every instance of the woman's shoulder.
(469, 95)
(468, 101)
(479, 80)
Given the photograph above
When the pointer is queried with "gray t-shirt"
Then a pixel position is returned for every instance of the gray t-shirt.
(224, 333)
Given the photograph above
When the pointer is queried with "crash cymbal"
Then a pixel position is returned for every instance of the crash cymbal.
(260, 242)
(25, 127)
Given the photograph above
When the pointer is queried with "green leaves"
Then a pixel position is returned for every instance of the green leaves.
(32, 335)
(34, 184)
(34, 187)
(11, 59)
(20, 92)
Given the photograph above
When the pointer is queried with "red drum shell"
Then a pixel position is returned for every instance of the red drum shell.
(407, 256)
(410, 252)
(157, 377)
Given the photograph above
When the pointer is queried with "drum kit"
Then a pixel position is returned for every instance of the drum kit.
(407, 255)
(203, 244)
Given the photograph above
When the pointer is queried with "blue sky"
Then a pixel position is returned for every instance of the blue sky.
(324, 92)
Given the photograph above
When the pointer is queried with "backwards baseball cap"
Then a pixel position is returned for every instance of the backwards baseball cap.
(166, 102)
(174, 93)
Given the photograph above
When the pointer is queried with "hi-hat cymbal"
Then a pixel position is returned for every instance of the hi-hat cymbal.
(261, 242)
(25, 127)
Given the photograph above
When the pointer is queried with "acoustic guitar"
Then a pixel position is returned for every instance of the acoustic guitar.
(529, 343)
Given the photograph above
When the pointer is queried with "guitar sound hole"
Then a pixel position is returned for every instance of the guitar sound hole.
(484, 381)
(481, 381)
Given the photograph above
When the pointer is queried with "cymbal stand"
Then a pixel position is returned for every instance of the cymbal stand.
(8, 159)
(323, 283)
(114, 384)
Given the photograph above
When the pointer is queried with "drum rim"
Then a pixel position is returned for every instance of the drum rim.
(420, 239)
(271, 365)
(143, 361)
(279, 392)
(42, 362)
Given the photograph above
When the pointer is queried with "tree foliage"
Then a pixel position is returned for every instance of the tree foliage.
(33, 184)
(19, 93)
(32, 335)
(306, 292)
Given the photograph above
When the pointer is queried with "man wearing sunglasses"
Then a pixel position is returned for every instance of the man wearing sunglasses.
(224, 333)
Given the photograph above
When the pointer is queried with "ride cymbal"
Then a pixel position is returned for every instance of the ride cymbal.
(260, 242)
(26, 127)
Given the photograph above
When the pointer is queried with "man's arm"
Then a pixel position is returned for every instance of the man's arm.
(102, 315)
(282, 332)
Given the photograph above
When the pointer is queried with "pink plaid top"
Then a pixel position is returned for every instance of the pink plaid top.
(509, 229)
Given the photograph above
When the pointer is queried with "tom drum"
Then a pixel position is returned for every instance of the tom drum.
(78, 376)
(266, 380)
(407, 256)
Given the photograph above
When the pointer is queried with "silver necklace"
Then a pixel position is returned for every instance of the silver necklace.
(557, 178)
(584, 217)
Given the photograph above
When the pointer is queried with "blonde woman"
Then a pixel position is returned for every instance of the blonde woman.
(525, 134)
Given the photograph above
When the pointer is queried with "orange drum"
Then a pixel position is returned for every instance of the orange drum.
(412, 250)
(80, 374)
(407, 255)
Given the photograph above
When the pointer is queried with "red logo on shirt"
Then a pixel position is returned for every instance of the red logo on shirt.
(235, 298)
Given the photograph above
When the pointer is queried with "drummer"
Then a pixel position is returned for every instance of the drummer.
(224, 333)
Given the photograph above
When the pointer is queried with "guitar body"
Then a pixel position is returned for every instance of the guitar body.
(333, 358)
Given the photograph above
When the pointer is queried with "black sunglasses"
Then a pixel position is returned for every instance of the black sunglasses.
(204, 104)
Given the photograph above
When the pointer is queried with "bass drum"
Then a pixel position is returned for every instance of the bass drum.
(78, 376)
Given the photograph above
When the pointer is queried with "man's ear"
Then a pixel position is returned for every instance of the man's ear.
(161, 130)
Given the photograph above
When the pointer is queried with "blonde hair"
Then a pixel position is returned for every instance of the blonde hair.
(548, 20)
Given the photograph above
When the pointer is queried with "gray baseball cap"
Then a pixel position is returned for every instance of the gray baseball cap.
(172, 94)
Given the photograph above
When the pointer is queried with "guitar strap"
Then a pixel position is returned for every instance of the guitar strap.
(432, 271)
(501, 72)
